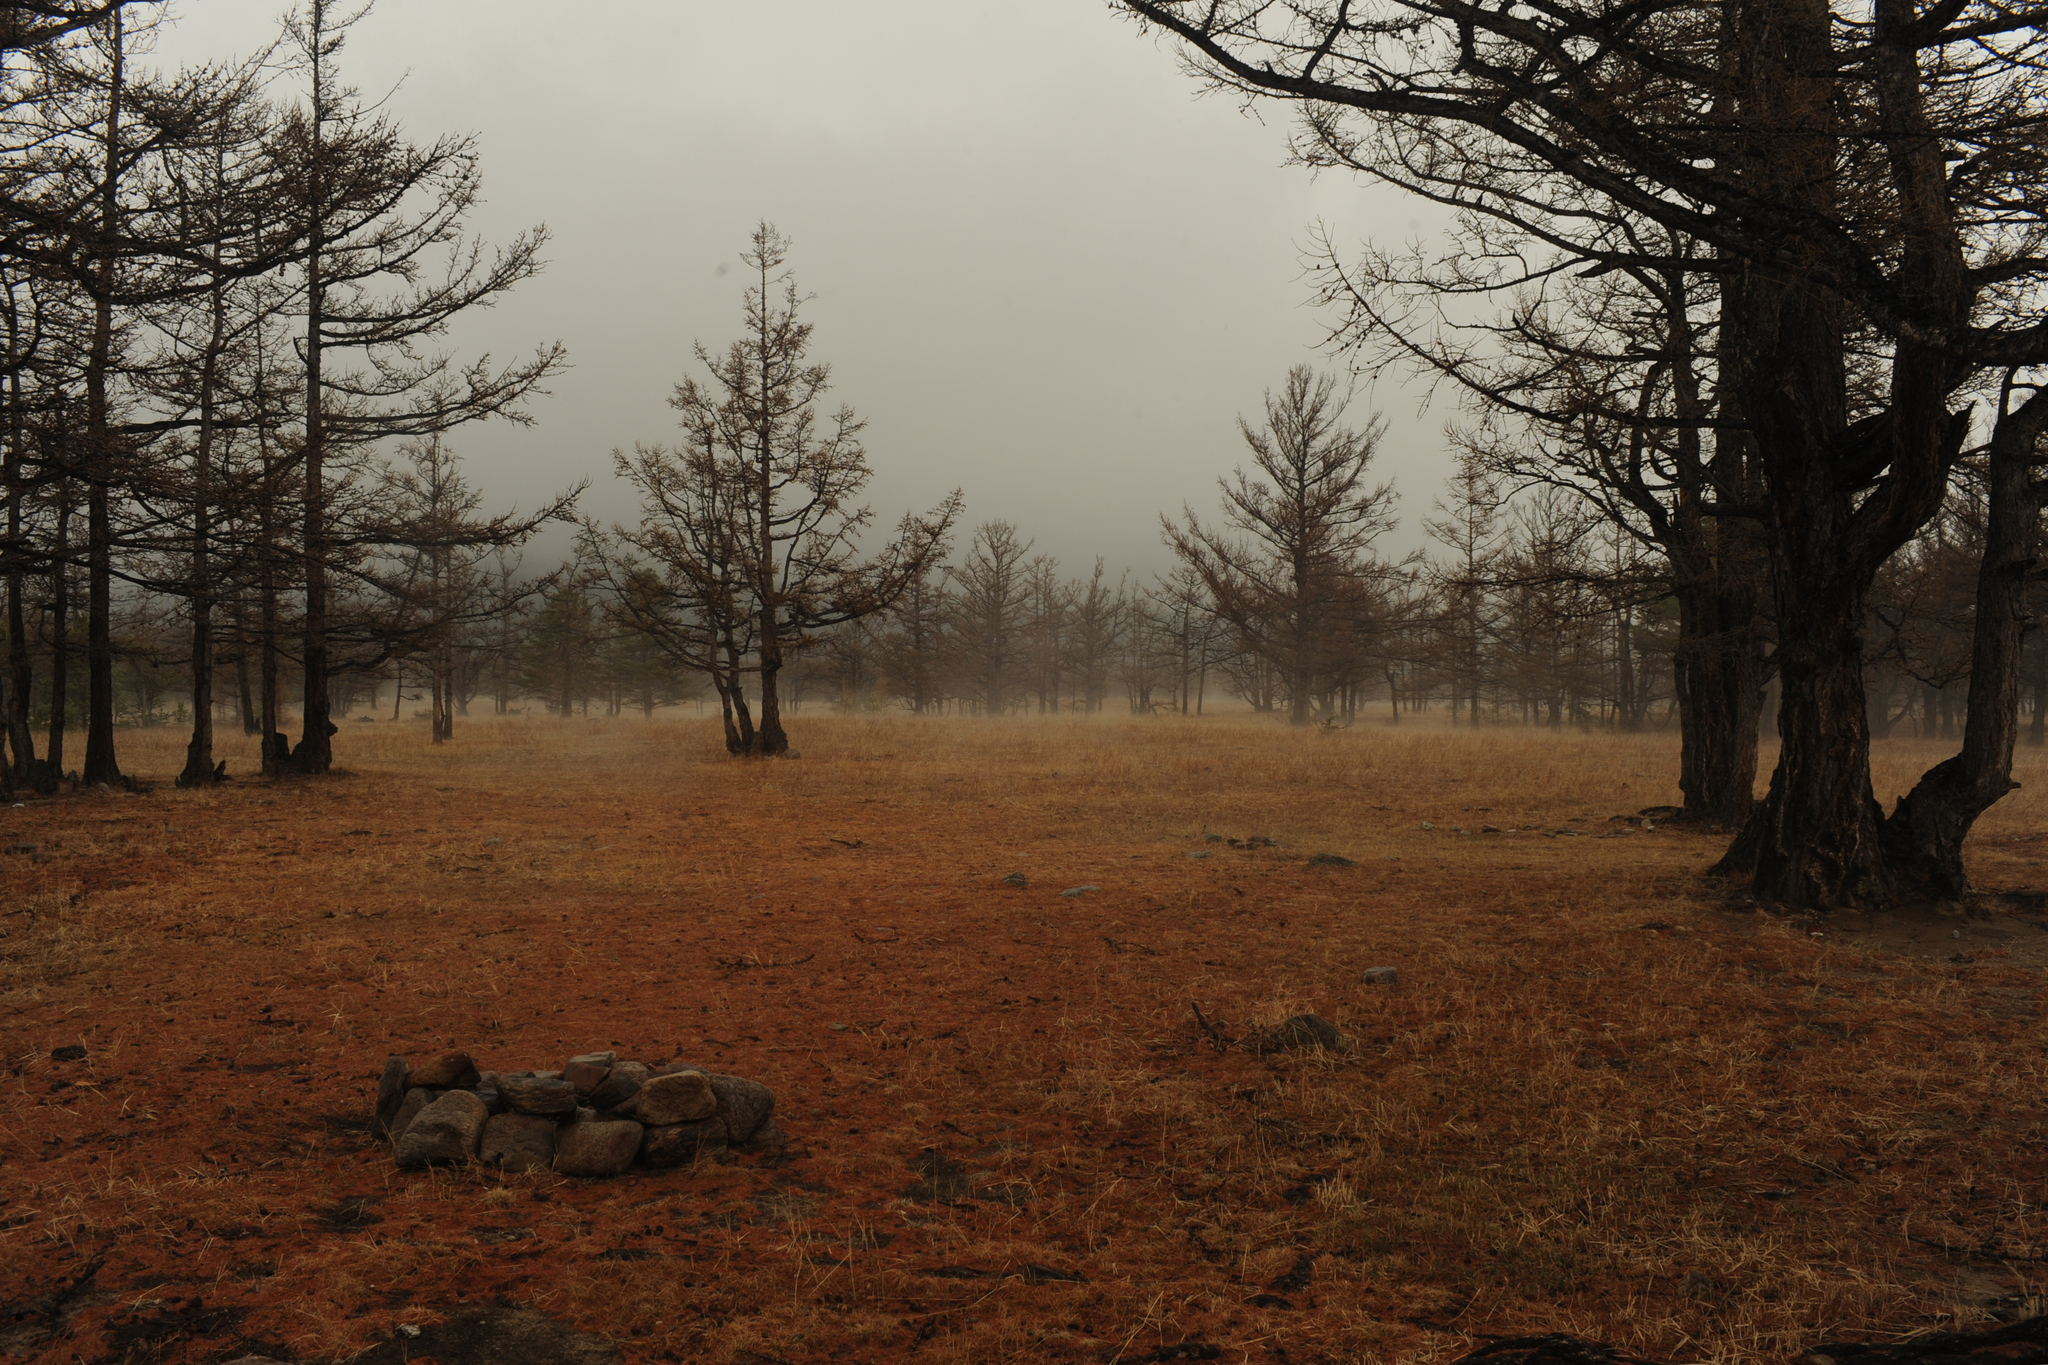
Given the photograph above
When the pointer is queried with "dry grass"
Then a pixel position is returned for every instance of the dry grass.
(1604, 1099)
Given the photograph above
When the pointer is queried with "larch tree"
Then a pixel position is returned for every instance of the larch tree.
(385, 270)
(778, 477)
(1297, 532)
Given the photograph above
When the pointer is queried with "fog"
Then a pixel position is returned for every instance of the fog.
(1047, 269)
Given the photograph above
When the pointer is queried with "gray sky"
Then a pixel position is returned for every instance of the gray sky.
(1046, 269)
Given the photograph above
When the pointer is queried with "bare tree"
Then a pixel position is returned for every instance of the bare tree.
(778, 481)
(1278, 566)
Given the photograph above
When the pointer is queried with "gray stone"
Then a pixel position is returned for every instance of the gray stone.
(680, 1097)
(449, 1071)
(445, 1132)
(518, 1142)
(624, 1083)
(408, 1110)
(1331, 860)
(679, 1144)
(1079, 890)
(586, 1075)
(537, 1095)
(1016, 879)
(390, 1095)
(594, 1058)
(606, 1147)
(745, 1105)
(1301, 1032)
(1382, 976)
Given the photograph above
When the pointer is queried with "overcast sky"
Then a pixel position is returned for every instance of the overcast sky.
(1047, 269)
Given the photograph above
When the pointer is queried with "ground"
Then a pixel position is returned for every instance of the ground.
(1605, 1097)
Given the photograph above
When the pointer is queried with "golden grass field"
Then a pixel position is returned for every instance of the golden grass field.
(1608, 1097)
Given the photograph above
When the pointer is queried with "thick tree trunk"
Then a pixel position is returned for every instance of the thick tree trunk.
(1719, 680)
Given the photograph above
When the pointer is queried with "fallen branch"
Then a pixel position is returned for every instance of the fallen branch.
(1215, 1032)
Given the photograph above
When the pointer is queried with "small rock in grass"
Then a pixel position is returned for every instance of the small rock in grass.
(1016, 879)
(74, 1053)
(1079, 890)
(678, 1144)
(518, 1142)
(445, 1132)
(537, 1095)
(449, 1071)
(408, 1109)
(606, 1147)
(745, 1105)
(624, 1082)
(1331, 860)
(1382, 976)
(1425, 825)
(390, 1095)
(1301, 1032)
(680, 1097)
(672, 1068)
(1200, 853)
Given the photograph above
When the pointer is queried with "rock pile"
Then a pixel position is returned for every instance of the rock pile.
(594, 1117)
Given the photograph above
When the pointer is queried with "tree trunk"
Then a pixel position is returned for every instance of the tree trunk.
(20, 668)
(60, 630)
(99, 630)
(245, 701)
(315, 751)
(199, 768)
(1925, 833)
(1718, 677)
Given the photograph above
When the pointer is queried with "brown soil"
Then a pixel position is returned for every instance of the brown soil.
(1606, 1097)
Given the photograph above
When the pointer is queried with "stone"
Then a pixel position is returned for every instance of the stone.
(390, 1095)
(537, 1094)
(594, 1058)
(1301, 1032)
(1382, 976)
(1425, 825)
(769, 1137)
(744, 1105)
(586, 1076)
(449, 1071)
(679, 1097)
(624, 1082)
(408, 1110)
(518, 1142)
(487, 1090)
(445, 1132)
(1079, 890)
(73, 1053)
(1016, 879)
(606, 1147)
(679, 1144)
(1331, 860)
